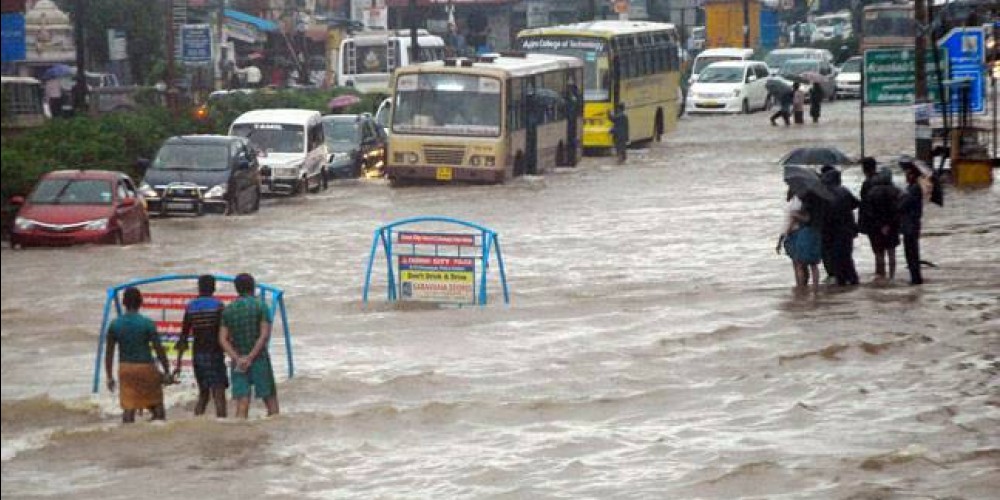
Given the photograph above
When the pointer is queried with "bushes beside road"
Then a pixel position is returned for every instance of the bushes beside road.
(114, 141)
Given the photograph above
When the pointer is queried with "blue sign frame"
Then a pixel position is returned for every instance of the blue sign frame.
(276, 304)
(966, 48)
(489, 242)
(13, 31)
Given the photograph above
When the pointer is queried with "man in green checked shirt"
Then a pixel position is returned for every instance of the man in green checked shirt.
(245, 330)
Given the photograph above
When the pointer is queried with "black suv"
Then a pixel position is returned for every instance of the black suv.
(356, 144)
(197, 174)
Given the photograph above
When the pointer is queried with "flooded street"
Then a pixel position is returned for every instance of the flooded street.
(654, 346)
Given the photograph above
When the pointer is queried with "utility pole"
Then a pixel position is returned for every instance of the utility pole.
(220, 35)
(414, 45)
(80, 88)
(922, 115)
(171, 46)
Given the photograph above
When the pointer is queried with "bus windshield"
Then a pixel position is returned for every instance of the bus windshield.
(592, 51)
(889, 22)
(447, 104)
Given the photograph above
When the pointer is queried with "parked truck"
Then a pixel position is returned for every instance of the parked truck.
(724, 23)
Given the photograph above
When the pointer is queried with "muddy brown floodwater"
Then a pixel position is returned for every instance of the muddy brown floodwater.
(654, 346)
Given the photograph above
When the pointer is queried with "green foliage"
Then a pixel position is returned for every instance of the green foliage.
(114, 141)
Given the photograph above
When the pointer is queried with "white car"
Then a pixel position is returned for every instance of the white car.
(730, 87)
(849, 78)
(709, 56)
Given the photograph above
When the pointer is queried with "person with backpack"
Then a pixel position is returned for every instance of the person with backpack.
(881, 221)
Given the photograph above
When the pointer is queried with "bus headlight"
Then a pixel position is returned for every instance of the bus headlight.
(405, 157)
(482, 161)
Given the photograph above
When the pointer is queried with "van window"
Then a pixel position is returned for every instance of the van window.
(273, 137)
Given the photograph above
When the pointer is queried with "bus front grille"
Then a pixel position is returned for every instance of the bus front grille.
(444, 155)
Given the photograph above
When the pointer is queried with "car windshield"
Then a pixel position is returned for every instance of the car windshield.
(724, 74)
(777, 60)
(797, 67)
(72, 192)
(180, 156)
(447, 104)
(342, 131)
(701, 62)
(273, 137)
(851, 66)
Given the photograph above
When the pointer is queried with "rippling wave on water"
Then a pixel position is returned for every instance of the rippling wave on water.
(654, 347)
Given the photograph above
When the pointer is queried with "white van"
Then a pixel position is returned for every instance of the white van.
(730, 87)
(291, 148)
(776, 58)
(709, 56)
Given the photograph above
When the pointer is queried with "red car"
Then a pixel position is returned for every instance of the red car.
(70, 207)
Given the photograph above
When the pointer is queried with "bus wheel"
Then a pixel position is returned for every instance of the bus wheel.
(745, 109)
(561, 155)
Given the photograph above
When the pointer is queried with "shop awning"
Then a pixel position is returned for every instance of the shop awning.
(256, 22)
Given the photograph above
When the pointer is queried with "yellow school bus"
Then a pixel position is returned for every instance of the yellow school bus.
(485, 120)
(632, 62)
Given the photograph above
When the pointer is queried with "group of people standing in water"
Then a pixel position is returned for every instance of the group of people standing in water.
(822, 229)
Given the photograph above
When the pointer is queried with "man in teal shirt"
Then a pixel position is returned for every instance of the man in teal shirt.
(246, 328)
(141, 383)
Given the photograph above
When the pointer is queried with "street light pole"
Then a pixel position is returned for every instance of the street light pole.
(922, 121)
(80, 88)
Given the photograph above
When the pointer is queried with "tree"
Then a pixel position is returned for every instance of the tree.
(144, 22)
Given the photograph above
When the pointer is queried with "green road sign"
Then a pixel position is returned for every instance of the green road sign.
(889, 76)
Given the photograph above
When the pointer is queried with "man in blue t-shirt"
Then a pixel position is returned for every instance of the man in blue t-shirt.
(202, 318)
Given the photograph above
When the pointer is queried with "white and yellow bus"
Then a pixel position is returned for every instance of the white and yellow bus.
(632, 62)
(485, 120)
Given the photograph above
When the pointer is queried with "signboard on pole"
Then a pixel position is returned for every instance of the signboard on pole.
(196, 43)
(117, 46)
(890, 79)
(13, 37)
(966, 53)
(437, 279)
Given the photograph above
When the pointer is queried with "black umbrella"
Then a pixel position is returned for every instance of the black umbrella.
(777, 86)
(804, 181)
(816, 156)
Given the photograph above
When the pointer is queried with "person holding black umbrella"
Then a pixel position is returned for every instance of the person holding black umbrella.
(911, 209)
